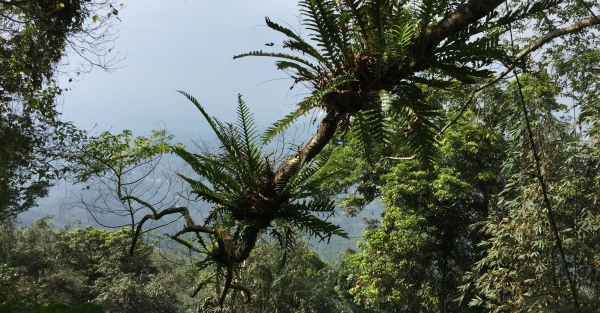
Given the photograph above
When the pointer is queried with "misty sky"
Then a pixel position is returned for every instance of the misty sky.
(186, 45)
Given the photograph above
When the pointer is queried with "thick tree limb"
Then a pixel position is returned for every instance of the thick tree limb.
(458, 20)
(228, 279)
(325, 132)
(244, 290)
(200, 285)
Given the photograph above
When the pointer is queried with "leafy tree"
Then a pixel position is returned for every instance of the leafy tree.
(44, 267)
(121, 170)
(304, 283)
(523, 268)
(415, 259)
(36, 35)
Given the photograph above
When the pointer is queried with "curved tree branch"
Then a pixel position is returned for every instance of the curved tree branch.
(190, 226)
(594, 20)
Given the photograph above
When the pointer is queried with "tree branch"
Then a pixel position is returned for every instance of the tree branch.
(140, 201)
(325, 132)
(245, 290)
(594, 20)
(458, 20)
(190, 226)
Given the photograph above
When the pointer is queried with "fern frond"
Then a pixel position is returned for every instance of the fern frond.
(369, 124)
(357, 12)
(464, 74)
(316, 226)
(482, 51)
(246, 124)
(302, 71)
(402, 34)
(422, 140)
(306, 179)
(205, 193)
(215, 171)
(297, 43)
(304, 107)
(412, 123)
(224, 134)
(318, 20)
(319, 205)
(277, 55)
(206, 116)
(331, 21)
(426, 12)
(361, 128)
(437, 83)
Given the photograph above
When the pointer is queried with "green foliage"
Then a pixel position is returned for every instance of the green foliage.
(304, 107)
(387, 74)
(117, 153)
(241, 183)
(124, 175)
(415, 259)
(23, 177)
(55, 308)
(48, 270)
(242, 186)
(521, 269)
(98, 253)
(305, 283)
(357, 42)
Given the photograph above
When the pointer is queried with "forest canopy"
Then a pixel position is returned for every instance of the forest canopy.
(473, 122)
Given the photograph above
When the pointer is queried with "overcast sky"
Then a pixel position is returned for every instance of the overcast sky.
(186, 45)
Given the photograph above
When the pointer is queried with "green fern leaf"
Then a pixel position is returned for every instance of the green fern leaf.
(304, 107)
(277, 55)
(318, 18)
(411, 121)
(297, 43)
(252, 153)
(302, 71)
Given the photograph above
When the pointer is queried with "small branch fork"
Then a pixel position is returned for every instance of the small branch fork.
(190, 226)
